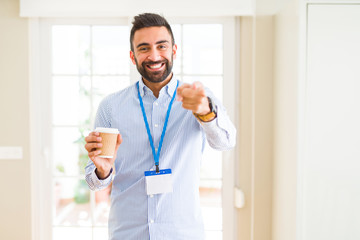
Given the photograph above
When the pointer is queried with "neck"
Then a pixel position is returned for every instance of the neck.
(156, 87)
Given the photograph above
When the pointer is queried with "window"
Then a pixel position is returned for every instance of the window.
(88, 63)
(82, 62)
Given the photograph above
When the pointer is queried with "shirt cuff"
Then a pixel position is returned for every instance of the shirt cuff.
(96, 183)
(218, 121)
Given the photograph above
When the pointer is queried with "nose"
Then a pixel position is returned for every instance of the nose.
(154, 55)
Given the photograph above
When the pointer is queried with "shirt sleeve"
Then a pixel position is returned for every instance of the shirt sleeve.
(93, 181)
(220, 132)
(102, 119)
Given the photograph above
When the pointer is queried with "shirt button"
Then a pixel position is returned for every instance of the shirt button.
(156, 125)
(151, 195)
(156, 104)
(151, 221)
(156, 149)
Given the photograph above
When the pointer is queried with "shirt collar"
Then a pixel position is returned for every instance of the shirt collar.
(142, 87)
(170, 87)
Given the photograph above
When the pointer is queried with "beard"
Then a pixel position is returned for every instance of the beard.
(157, 76)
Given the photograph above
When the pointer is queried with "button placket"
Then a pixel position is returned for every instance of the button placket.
(151, 209)
(156, 123)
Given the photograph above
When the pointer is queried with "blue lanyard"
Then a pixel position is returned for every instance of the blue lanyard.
(156, 155)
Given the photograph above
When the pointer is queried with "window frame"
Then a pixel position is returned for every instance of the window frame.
(41, 122)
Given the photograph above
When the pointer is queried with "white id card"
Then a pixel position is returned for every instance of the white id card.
(160, 182)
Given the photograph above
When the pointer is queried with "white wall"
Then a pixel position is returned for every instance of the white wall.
(263, 128)
(286, 47)
(255, 140)
(15, 222)
(121, 8)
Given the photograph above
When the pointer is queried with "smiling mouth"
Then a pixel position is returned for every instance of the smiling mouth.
(155, 66)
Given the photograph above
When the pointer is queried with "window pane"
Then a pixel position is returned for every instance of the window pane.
(210, 198)
(103, 86)
(215, 84)
(213, 235)
(71, 49)
(68, 151)
(70, 100)
(101, 233)
(211, 165)
(212, 218)
(202, 47)
(102, 206)
(71, 233)
(72, 202)
(176, 28)
(111, 46)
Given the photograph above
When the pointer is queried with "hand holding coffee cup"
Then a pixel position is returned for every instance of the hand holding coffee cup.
(108, 137)
(102, 145)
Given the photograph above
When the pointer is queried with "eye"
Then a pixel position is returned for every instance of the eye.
(143, 49)
(162, 47)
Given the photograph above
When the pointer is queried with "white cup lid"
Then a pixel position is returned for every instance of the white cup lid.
(106, 130)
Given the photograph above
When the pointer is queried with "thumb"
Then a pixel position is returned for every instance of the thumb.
(118, 142)
(194, 85)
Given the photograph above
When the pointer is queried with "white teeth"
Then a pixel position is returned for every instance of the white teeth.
(155, 66)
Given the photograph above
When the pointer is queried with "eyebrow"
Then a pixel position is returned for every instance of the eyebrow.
(147, 44)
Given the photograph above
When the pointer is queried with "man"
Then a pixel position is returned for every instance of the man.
(157, 136)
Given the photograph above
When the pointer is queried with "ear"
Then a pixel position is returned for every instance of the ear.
(132, 57)
(174, 51)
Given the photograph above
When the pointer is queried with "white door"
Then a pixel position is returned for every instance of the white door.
(330, 167)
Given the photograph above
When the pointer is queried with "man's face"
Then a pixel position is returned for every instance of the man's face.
(153, 53)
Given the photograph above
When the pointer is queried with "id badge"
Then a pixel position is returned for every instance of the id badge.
(160, 182)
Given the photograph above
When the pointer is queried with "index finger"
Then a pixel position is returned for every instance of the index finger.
(180, 89)
(198, 85)
(185, 85)
(92, 137)
(94, 133)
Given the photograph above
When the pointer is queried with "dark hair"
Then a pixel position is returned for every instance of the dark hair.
(145, 20)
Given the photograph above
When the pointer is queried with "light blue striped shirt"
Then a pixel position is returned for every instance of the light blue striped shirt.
(134, 215)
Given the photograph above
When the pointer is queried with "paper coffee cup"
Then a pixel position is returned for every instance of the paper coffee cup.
(109, 138)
